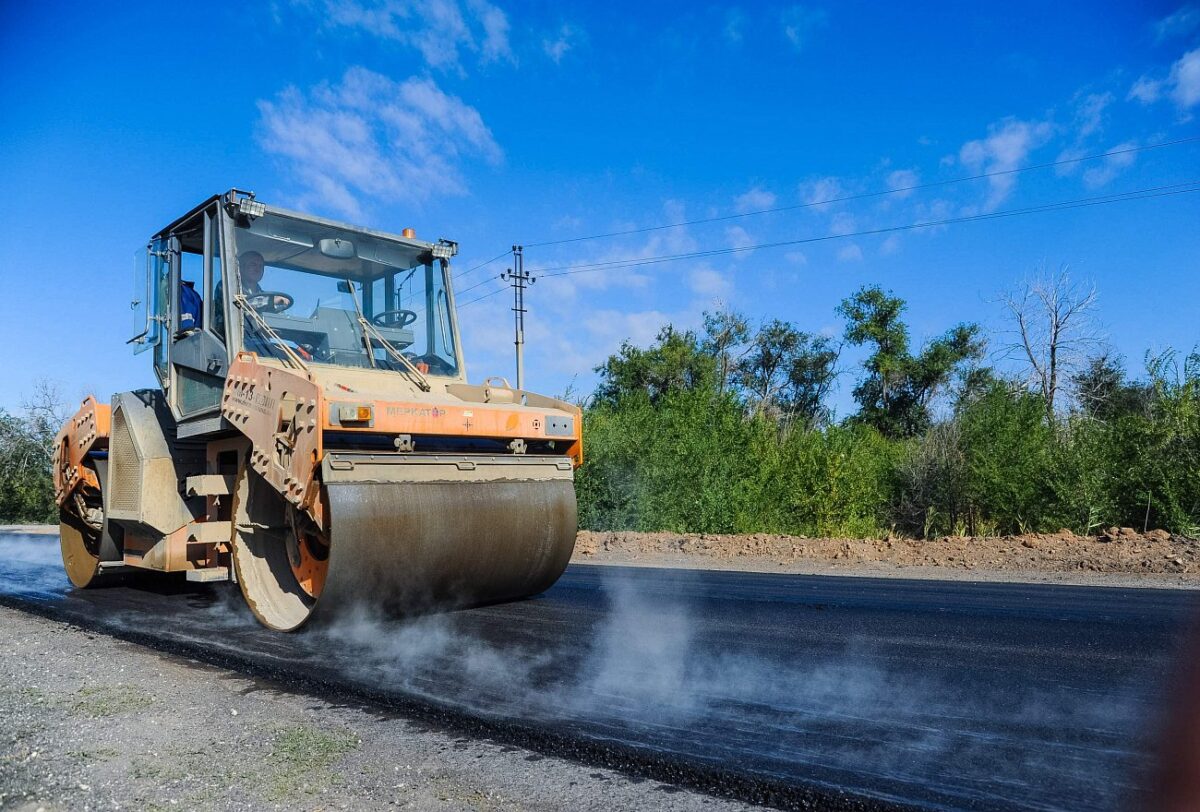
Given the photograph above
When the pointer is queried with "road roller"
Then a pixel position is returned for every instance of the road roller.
(313, 436)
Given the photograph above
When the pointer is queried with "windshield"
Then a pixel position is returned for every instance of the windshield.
(304, 279)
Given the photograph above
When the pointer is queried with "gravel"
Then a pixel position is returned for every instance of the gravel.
(92, 722)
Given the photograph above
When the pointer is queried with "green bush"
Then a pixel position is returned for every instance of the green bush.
(678, 464)
(695, 462)
(1009, 453)
(835, 481)
(701, 460)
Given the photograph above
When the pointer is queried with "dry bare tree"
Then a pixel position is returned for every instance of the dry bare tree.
(1055, 329)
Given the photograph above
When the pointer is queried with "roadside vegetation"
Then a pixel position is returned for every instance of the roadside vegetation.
(728, 429)
(26, 445)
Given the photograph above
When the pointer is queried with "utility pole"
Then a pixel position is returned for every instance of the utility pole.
(519, 278)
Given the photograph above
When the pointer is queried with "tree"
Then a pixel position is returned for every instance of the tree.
(898, 388)
(762, 373)
(1103, 392)
(786, 373)
(26, 448)
(676, 362)
(1054, 328)
(810, 375)
(724, 333)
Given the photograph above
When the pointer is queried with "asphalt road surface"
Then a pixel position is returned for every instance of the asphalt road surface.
(784, 689)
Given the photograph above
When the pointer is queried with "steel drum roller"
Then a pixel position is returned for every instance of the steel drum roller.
(412, 534)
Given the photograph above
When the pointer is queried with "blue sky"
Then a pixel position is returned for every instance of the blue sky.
(493, 123)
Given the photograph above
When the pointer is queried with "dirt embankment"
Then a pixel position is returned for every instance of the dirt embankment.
(1157, 556)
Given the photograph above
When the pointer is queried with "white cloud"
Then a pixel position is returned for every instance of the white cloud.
(611, 327)
(675, 240)
(1180, 23)
(1145, 90)
(440, 30)
(800, 23)
(1006, 147)
(901, 182)
(735, 24)
(611, 274)
(738, 237)
(890, 246)
(708, 283)
(842, 224)
(1097, 176)
(1089, 112)
(756, 199)
(1185, 80)
(796, 257)
(1182, 83)
(370, 136)
(565, 39)
(495, 45)
(821, 190)
(850, 253)
(1071, 154)
(935, 211)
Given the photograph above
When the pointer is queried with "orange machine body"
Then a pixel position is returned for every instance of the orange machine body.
(85, 431)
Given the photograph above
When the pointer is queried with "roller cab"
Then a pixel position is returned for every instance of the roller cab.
(314, 436)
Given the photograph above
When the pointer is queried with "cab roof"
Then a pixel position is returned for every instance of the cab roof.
(234, 196)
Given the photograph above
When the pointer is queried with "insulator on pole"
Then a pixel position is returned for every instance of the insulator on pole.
(520, 279)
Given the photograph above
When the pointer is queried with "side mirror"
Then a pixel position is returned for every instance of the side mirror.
(344, 286)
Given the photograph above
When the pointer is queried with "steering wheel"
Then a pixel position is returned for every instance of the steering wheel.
(394, 318)
(267, 301)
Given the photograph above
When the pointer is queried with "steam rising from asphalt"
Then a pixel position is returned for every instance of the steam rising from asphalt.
(658, 667)
(31, 564)
(648, 664)
(642, 661)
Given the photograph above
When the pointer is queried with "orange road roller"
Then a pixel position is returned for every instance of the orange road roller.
(313, 436)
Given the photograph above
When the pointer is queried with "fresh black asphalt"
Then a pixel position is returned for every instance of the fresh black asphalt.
(793, 691)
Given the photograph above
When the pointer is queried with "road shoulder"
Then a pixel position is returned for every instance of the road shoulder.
(93, 721)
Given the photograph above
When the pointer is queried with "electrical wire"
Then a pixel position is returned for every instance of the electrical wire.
(481, 298)
(461, 274)
(476, 285)
(867, 195)
(1137, 194)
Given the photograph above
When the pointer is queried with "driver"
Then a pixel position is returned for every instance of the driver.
(251, 265)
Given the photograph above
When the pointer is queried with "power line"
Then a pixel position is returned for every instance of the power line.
(1137, 194)
(481, 265)
(484, 296)
(480, 283)
(866, 195)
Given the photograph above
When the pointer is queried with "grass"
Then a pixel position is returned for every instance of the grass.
(302, 757)
(109, 700)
